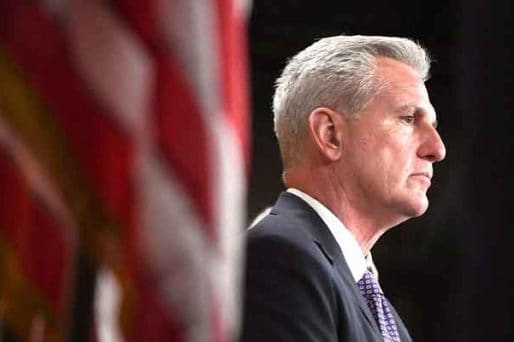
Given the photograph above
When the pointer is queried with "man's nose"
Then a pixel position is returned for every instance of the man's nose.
(432, 148)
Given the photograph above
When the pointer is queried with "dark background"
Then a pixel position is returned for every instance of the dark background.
(450, 272)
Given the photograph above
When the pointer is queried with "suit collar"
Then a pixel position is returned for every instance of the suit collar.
(297, 209)
(346, 241)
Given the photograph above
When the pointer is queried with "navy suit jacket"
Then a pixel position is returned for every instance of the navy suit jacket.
(297, 284)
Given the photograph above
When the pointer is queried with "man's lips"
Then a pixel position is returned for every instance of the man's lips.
(428, 175)
(423, 176)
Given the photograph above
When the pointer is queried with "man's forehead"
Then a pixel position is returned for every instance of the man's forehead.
(404, 89)
(398, 75)
(390, 65)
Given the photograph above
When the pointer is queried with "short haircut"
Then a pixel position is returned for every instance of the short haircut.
(335, 72)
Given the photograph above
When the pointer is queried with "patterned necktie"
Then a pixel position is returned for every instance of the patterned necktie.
(379, 307)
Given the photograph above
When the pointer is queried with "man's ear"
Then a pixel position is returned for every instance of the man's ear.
(325, 128)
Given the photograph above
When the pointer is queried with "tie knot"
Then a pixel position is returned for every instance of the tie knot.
(368, 285)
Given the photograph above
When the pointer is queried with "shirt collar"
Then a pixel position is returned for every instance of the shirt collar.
(357, 262)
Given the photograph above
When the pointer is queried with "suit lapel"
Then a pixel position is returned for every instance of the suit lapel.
(295, 207)
(344, 271)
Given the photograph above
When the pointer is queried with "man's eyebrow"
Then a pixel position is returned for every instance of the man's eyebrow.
(408, 107)
(413, 108)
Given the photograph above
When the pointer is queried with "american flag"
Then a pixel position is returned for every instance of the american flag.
(123, 156)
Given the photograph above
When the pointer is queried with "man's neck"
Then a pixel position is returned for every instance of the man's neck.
(360, 222)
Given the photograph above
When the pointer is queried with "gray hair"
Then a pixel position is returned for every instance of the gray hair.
(338, 73)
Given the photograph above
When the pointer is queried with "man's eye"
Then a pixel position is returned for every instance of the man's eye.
(407, 118)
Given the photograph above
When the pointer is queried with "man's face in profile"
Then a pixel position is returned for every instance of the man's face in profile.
(389, 147)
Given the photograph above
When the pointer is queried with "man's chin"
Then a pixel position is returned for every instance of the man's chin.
(414, 207)
(419, 207)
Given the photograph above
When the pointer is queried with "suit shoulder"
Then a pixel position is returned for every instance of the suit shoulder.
(283, 235)
(289, 287)
(279, 226)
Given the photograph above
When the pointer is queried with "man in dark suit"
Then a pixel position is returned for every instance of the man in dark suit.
(357, 135)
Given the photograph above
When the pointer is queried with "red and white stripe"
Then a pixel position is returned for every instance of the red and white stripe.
(159, 69)
(45, 239)
(150, 98)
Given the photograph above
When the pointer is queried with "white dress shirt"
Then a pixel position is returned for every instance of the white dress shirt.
(356, 260)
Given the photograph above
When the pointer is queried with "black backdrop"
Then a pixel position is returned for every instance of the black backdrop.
(450, 273)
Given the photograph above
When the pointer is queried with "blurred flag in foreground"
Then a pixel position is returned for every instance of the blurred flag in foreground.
(123, 157)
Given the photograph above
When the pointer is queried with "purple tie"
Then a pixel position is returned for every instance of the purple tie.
(379, 306)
